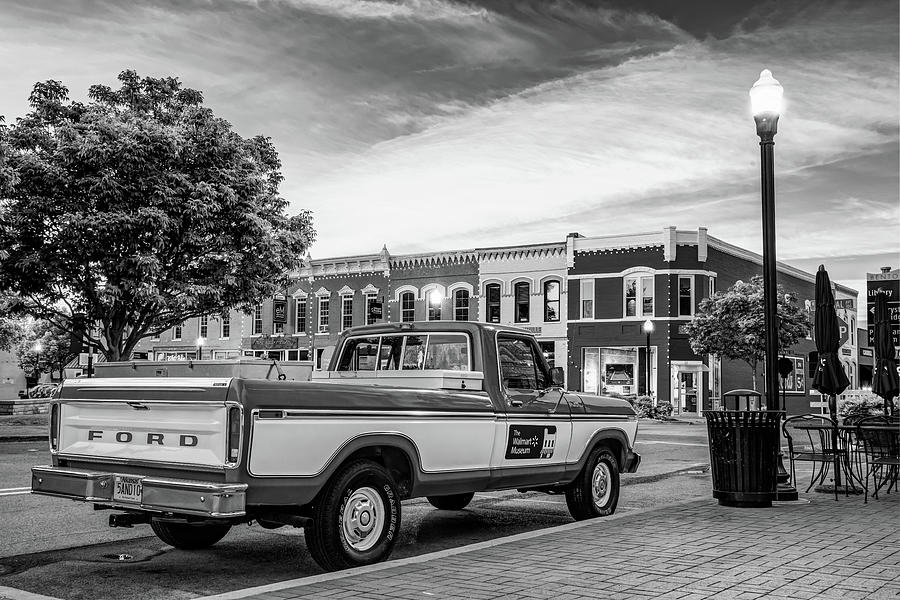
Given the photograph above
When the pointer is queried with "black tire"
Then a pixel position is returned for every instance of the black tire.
(188, 536)
(360, 488)
(451, 502)
(581, 498)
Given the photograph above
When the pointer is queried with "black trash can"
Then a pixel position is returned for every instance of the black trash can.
(743, 454)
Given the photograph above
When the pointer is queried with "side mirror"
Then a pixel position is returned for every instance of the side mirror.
(557, 376)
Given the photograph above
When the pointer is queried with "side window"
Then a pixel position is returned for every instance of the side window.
(389, 354)
(413, 352)
(447, 352)
(359, 354)
(520, 369)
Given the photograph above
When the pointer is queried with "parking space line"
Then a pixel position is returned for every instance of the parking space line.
(15, 491)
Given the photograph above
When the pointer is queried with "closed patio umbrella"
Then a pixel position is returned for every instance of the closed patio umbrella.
(829, 377)
(884, 380)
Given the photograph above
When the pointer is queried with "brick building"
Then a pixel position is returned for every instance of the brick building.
(617, 283)
(586, 299)
(434, 286)
(326, 297)
(525, 286)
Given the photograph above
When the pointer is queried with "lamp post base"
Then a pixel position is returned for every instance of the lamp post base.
(784, 490)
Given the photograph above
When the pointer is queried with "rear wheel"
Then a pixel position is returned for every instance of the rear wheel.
(188, 536)
(356, 518)
(595, 493)
(451, 502)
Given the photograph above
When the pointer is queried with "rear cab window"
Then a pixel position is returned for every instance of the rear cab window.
(407, 352)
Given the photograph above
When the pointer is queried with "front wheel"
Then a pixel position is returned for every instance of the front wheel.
(356, 519)
(451, 502)
(595, 493)
(187, 536)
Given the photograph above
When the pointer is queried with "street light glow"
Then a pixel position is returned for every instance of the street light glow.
(435, 297)
(38, 347)
(201, 341)
(766, 94)
(648, 326)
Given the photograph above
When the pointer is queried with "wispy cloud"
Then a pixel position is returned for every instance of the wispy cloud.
(453, 124)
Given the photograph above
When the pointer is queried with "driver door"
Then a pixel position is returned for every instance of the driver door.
(538, 427)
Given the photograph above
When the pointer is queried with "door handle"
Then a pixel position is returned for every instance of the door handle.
(515, 403)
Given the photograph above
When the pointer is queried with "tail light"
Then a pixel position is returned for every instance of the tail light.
(54, 425)
(234, 434)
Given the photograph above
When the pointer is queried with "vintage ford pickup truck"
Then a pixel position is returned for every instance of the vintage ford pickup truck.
(438, 409)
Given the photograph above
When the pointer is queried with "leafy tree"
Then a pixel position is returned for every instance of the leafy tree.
(139, 209)
(731, 324)
(43, 348)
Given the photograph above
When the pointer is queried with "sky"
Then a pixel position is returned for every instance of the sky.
(434, 124)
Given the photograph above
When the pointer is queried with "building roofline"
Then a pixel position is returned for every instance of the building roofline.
(748, 255)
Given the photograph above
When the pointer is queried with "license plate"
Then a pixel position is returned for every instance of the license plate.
(127, 489)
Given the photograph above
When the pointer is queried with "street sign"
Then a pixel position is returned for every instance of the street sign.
(888, 284)
(845, 331)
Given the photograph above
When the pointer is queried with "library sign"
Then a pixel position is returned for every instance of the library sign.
(887, 283)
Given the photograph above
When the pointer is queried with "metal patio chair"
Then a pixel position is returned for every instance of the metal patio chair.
(809, 440)
(880, 437)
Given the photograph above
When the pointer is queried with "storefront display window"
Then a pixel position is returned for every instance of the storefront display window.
(617, 371)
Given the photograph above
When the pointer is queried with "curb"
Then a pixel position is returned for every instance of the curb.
(413, 560)
(8, 593)
(22, 438)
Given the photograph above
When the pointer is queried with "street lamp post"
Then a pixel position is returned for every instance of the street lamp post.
(200, 342)
(766, 101)
(648, 329)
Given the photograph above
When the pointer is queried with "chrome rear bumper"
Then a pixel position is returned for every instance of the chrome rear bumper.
(182, 496)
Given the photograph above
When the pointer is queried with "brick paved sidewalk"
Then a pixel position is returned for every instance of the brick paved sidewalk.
(814, 548)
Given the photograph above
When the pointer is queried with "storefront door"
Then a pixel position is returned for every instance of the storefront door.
(687, 392)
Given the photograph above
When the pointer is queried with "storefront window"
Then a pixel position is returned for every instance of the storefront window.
(617, 371)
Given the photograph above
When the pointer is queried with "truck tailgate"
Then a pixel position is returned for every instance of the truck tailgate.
(178, 422)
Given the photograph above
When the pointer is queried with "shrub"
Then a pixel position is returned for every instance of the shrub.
(663, 410)
(855, 408)
(646, 409)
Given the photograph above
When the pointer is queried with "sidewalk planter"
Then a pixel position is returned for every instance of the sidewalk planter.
(743, 454)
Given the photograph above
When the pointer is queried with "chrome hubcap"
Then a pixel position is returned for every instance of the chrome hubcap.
(363, 519)
(600, 484)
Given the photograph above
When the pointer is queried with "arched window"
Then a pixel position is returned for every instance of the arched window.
(461, 305)
(407, 307)
(551, 301)
(523, 302)
(492, 291)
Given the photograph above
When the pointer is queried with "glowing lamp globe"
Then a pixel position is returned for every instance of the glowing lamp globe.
(766, 102)
(435, 298)
(648, 326)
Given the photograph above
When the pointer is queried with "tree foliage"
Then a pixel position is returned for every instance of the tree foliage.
(42, 347)
(731, 324)
(139, 209)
